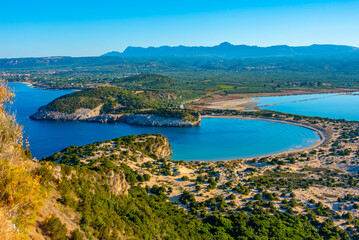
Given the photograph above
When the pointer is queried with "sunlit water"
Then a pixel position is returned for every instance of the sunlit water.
(215, 139)
(334, 105)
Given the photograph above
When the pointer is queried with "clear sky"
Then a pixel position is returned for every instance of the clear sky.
(90, 28)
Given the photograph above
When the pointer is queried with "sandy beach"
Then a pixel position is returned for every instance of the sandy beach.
(245, 101)
(235, 104)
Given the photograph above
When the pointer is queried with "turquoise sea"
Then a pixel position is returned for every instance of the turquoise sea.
(215, 139)
(334, 105)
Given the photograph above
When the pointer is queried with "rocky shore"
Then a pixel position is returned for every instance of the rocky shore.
(88, 115)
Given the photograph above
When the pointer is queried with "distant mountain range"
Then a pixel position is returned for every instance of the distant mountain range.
(225, 51)
(228, 50)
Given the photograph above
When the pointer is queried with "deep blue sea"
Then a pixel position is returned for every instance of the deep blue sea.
(215, 139)
(334, 105)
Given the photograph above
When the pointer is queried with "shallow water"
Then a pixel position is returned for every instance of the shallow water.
(215, 139)
(334, 105)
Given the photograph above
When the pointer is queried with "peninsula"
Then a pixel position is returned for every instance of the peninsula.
(108, 104)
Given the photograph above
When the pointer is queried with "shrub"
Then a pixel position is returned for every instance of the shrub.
(76, 235)
(53, 228)
(185, 178)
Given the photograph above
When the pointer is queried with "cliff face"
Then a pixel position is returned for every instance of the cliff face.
(152, 120)
(89, 115)
(80, 114)
(161, 148)
(118, 183)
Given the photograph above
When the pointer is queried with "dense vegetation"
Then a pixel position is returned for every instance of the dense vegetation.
(108, 216)
(117, 100)
(21, 194)
(94, 97)
(144, 216)
(146, 213)
(186, 114)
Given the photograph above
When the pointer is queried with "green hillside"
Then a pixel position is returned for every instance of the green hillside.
(149, 81)
(117, 100)
(146, 213)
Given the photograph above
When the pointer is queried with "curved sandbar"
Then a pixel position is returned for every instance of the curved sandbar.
(324, 136)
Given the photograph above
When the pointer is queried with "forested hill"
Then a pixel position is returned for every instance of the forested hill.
(100, 101)
(114, 98)
(237, 51)
(117, 98)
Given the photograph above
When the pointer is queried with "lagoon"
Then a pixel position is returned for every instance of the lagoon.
(215, 139)
(333, 105)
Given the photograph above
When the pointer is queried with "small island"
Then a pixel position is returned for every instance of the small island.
(109, 104)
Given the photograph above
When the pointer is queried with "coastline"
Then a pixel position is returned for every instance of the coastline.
(93, 115)
(33, 85)
(29, 84)
(246, 101)
(235, 96)
(324, 136)
(231, 97)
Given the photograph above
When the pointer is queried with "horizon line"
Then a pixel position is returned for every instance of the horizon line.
(172, 46)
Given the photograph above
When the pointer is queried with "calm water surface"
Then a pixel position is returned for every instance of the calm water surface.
(215, 139)
(338, 106)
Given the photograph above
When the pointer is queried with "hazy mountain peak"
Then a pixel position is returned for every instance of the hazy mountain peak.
(225, 44)
(228, 50)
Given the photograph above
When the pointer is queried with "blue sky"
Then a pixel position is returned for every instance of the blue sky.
(90, 28)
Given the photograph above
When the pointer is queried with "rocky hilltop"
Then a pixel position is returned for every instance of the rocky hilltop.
(88, 115)
(151, 145)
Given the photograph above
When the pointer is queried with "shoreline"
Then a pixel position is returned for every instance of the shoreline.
(29, 84)
(246, 101)
(324, 136)
(32, 85)
(235, 96)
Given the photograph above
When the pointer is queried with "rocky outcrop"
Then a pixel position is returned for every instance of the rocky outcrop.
(107, 118)
(161, 148)
(152, 120)
(80, 114)
(89, 115)
(117, 182)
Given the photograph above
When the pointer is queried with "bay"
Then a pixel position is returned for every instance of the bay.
(215, 139)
